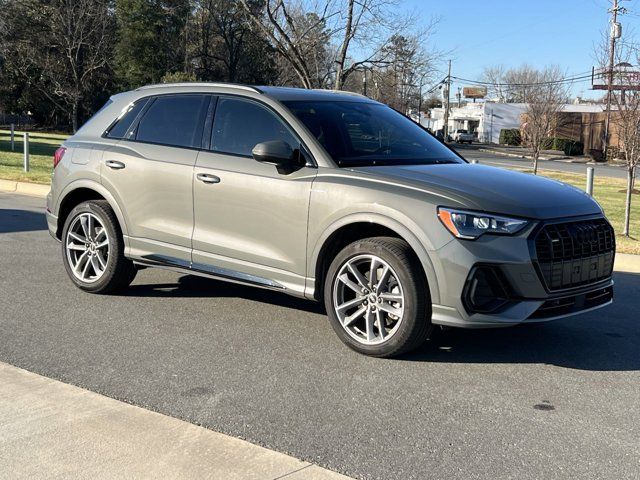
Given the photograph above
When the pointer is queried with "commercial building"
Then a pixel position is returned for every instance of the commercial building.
(486, 119)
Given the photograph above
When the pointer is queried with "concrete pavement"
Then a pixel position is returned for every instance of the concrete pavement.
(541, 401)
(53, 430)
(24, 188)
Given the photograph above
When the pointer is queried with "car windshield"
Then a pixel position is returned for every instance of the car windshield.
(365, 134)
(462, 131)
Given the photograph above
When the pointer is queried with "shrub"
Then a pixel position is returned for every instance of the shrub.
(510, 136)
(562, 145)
(547, 143)
(573, 148)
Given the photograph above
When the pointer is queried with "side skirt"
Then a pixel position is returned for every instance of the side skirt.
(209, 271)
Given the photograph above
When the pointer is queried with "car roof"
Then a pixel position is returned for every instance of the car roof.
(288, 94)
(282, 94)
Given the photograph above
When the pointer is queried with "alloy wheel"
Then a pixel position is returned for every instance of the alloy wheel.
(87, 247)
(368, 299)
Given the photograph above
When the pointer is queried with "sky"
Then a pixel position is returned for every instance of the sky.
(482, 33)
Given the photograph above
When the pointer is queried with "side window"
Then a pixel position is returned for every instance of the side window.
(239, 125)
(175, 120)
(126, 119)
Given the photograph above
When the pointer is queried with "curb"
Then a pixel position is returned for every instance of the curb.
(24, 188)
(626, 262)
(516, 155)
(51, 429)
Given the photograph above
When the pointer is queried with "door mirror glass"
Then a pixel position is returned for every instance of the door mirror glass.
(278, 153)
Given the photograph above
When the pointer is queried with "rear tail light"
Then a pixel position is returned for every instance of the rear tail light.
(57, 157)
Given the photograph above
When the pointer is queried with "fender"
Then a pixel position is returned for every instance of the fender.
(416, 241)
(99, 188)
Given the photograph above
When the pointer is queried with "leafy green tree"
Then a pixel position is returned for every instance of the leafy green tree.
(223, 45)
(151, 40)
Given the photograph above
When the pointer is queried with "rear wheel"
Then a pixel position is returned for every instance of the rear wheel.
(93, 249)
(377, 298)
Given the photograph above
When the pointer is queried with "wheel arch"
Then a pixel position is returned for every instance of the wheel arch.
(360, 226)
(81, 191)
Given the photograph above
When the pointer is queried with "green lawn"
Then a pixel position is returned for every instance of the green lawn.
(609, 192)
(41, 148)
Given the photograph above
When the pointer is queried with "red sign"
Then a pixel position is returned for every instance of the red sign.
(625, 77)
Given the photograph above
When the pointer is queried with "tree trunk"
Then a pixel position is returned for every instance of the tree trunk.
(536, 154)
(627, 209)
(342, 57)
(74, 114)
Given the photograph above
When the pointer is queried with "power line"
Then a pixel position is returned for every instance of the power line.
(572, 79)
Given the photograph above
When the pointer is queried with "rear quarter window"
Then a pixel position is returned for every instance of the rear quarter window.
(122, 124)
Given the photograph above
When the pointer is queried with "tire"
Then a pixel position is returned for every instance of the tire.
(406, 324)
(111, 270)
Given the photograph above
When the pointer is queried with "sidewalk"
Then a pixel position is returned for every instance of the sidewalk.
(520, 152)
(24, 188)
(625, 262)
(49, 429)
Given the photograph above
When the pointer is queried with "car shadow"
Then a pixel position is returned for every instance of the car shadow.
(602, 340)
(193, 286)
(12, 220)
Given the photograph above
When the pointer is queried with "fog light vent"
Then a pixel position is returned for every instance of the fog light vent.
(486, 290)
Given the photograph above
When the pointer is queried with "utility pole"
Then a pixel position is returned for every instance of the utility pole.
(446, 109)
(614, 34)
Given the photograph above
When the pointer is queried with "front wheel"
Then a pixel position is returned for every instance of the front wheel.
(93, 249)
(377, 297)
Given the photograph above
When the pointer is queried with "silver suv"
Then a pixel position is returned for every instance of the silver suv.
(327, 196)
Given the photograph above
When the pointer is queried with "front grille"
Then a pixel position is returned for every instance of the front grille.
(573, 254)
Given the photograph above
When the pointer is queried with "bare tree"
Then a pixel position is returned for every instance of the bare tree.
(333, 28)
(625, 108)
(546, 96)
(495, 76)
(404, 68)
(512, 85)
(627, 122)
(61, 48)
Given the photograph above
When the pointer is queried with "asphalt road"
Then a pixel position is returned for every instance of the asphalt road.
(557, 400)
(487, 158)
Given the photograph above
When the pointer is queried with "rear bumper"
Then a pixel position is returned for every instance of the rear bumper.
(52, 224)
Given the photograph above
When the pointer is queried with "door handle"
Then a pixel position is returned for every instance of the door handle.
(114, 164)
(208, 178)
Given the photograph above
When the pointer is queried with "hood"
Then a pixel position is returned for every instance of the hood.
(495, 190)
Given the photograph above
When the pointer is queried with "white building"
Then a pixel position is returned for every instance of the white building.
(488, 118)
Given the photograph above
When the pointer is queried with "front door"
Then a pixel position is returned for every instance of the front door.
(250, 220)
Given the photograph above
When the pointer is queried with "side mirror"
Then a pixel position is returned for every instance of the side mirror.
(278, 153)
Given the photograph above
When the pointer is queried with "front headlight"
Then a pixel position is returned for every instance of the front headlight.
(471, 225)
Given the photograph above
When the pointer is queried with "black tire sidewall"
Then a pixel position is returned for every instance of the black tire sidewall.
(417, 301)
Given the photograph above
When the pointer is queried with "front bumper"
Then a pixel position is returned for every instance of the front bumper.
(528, 299)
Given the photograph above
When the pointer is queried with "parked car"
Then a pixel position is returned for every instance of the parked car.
(327, 196)
(462, 136)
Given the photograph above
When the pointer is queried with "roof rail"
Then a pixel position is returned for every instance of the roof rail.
(202, 84)
(345, 92)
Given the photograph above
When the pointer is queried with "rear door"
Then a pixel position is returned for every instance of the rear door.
(249, 218)
(150, 172)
